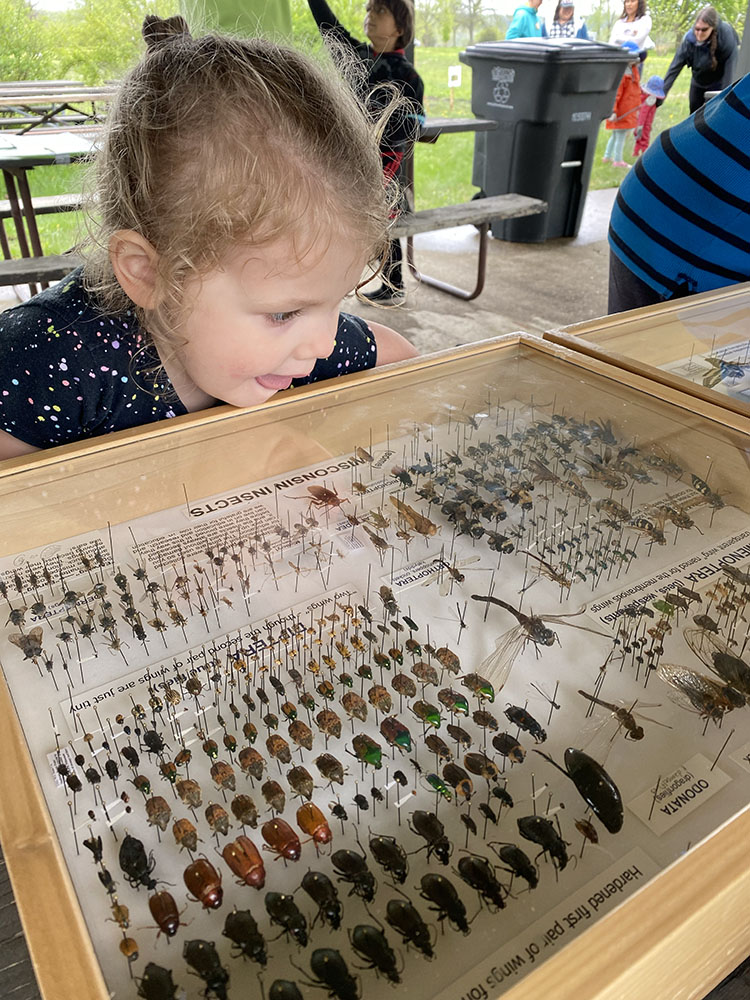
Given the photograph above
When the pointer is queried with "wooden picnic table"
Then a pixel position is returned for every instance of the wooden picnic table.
(24, 107)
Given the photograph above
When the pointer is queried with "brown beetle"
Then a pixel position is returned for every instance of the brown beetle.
(354, 706)
(300, 780)
(274, 795)
(486, 720)
(281, 839)
(244, 811)
(164, 911)
(379, 698)
(301, 734)
(425, 673)
(403, 684)
(185, 834)
(312, 821)
(190, 793)
(278, 747)
(158, 812)
(329, 723)
(217, 818)
(183, 757)
(331, 768)
(223, 775)
(250, 732)
(457, 778)
(438, 746)
(243, 857)
(202, 879)
(129, 948)
(448, 659)
(252, 762)
(479, 763)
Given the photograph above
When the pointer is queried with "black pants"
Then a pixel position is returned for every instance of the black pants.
(392, 269)
(628, 291)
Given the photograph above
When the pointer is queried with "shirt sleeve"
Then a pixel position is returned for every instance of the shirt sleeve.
(52, 390)
(327, 22)
(675, 67)
(355, 351)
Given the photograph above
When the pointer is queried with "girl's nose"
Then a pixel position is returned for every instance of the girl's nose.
(319, 340)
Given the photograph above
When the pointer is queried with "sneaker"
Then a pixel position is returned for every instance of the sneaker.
(385, 296)
(606, 159)
(621, 163)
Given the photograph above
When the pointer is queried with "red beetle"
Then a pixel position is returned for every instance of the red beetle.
(243, 857)
(164, 911)
(282, 839)
(204, 882)
(312, 821)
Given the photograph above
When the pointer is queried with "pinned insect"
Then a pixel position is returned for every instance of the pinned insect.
(594, 785)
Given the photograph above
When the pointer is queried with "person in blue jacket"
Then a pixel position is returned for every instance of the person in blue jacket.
(680, 222)
(527, 22)
(710, 49)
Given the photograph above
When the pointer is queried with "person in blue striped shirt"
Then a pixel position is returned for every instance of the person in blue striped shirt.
(681, 220)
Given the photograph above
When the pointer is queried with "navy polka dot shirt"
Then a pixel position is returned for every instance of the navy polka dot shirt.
(69, 371)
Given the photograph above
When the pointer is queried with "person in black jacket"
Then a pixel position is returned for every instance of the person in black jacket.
(710, 49)
(389, 26)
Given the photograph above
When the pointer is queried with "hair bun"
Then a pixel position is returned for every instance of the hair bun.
(156, 30)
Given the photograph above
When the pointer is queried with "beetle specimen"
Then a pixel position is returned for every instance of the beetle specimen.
(352, 868)
(190, 792)
(202, 879)
(459, 780)
(379, 698)
(403, 916)
(524, 720)
(403, 684)
(454, 701)
(223, 775)
(459, 734)
(485, 720)
(156, 983)
(438, 746)
(243, 858)
(217, 818)
(425, 673)
(371, 945)
(329, 723)
(164, 911)
(477, 872)
(185, 834)
(202, 956)
(330, 768)
(367, 750)
(281, 839)
(158, 812)
(439, 890)
(278, 747)
(396, 733)
(323, 893)
(595, 786)
(390, 855)
(518, 862)
(242, 930)
(427, 826)
(300, 781)
(330, 972)
(136, 864)
(480, 764)
(244, 810)
(509, 747)
(284, 911)
(274, 795)
(354, 706)
(541, 831)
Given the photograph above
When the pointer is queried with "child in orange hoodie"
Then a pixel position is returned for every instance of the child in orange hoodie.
(624, 116)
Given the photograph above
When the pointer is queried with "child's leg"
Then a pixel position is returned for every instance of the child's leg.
(610, 146)
(619, 151)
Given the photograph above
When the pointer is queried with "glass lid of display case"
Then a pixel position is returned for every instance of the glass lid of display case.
(699, 344)
(420, 672)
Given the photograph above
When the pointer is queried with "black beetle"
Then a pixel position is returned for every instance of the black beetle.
(390, 855)
(540, 831)
(284, 989)
(241, 929)
(371, 944)
(595, 786)
(518, 862)
(156, 983)
(202, 956)
(323, 892)
(429, 827)
(477, 872)
(136, 864)
(439, 890)
(352, 867)
(524, 720)
(153, 743)
(403, 917)
(330, 971)
(284, 911)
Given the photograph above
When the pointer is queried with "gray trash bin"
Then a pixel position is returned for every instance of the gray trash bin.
(549, 97)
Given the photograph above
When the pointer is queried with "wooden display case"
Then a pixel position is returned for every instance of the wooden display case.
(698, 344)
(116, 501)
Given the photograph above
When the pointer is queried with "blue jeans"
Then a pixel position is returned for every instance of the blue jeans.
(616, 143)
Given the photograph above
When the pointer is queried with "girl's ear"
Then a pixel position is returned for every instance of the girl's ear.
(134, 262)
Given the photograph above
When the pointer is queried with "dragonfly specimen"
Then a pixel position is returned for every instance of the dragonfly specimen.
(530, 628)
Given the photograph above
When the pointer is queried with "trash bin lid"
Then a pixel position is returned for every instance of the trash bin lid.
(547, 50)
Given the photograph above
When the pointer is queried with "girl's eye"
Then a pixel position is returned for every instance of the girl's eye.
(283, 317)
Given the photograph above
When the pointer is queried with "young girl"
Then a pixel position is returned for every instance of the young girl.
(239, 198)
(623, 119)
(389, 26)
(652, 95)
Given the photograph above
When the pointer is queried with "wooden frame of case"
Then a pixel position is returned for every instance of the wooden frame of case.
(624, 340)
(675, 938)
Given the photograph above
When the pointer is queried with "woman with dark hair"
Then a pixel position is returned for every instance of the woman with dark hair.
(634, 25)
(565, 24)
(709, 48)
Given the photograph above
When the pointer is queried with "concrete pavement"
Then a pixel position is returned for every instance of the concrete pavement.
(530, 286)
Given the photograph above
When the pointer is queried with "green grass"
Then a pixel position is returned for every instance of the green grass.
(442, 171)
